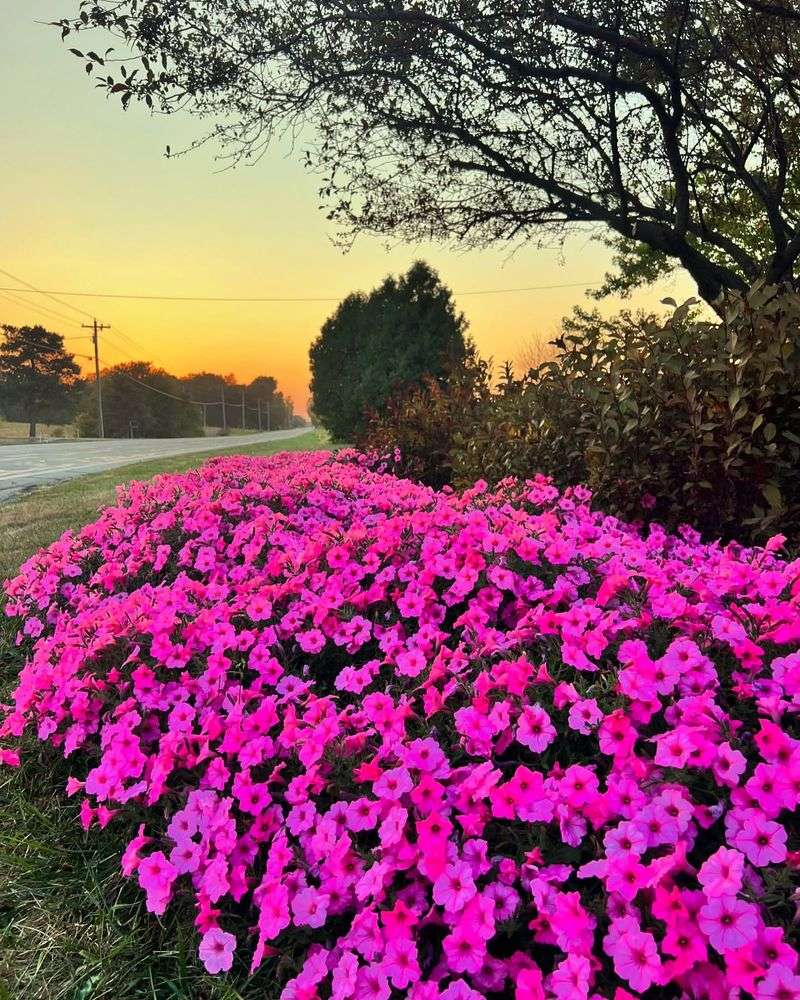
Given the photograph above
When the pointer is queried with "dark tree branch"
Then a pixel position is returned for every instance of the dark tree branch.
(486, 120)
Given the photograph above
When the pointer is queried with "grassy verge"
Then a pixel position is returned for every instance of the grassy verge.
(71, 928)
(39, 517)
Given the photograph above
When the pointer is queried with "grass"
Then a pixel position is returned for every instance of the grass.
(71, 927)
(39, 517)
(14, 430)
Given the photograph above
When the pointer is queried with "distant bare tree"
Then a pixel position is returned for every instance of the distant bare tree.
(535, 351)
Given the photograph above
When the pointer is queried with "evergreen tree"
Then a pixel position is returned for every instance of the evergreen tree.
(399, 333)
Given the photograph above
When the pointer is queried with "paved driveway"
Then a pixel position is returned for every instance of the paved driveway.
(27, 465)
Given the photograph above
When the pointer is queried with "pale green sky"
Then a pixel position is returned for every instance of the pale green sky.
(90, 203)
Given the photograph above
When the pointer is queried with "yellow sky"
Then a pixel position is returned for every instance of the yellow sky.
(90, 203)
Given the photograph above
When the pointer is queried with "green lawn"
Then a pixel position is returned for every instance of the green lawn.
(71, 928)
(40, 517)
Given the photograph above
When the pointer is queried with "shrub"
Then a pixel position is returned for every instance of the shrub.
(428, 424)
(683, 420)
(429, 744)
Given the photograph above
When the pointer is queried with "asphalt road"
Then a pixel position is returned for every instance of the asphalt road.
(25, 466)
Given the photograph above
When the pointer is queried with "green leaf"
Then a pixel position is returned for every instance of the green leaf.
(772, 495)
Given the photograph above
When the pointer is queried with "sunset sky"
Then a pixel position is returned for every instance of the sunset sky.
(90, 204)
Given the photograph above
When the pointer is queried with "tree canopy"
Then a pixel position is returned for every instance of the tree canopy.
(402, 331)
(37, 373)
(140, 400)
(500, 120)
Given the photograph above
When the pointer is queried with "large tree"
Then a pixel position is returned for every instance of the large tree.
(402, 331)
(37, 374)
(487, 120)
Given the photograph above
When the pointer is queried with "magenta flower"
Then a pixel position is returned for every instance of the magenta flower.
(378, 723)
(156, 875)
(465, 952)
(780, 983)
(721, 874)
(362, 814)
(454, 888)
(310, 907)
(371, 984)
(344, 977)
(762, 840)
(636, 959)
(728, 923)
(626, 875)
(534, 730)
(216, 950)
(393, 783)
(400, 963)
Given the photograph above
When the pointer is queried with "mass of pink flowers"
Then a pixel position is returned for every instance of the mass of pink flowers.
(428, 744)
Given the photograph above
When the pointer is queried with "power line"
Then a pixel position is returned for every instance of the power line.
(39, 291)
(39, 308)
(119, 349)
(281, 298)
(223, 403)
(130, 340)
(162, 392)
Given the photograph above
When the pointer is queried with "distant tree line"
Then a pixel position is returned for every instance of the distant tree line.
(40, 382)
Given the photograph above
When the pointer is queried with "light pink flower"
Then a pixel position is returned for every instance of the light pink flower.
(216, 950)
(721, 874)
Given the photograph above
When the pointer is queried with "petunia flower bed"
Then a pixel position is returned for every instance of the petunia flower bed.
(429, 744)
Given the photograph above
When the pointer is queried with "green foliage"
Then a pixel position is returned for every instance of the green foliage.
(636, 265)
(142, 401)
(38, 375)
(427, 421)
(678, 420)
(405, 330)
(736, 215)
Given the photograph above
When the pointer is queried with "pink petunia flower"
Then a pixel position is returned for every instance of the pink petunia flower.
(454, 888)
(636, 958)
(216, 950)
(310, 907)
(721, 874)
(534, 729)
(762, 840)
(728, 923)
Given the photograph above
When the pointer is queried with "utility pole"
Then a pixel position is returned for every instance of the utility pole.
(224, 415)
(204, 405)
(258, 401)
(244, 414)
(268, 415)
(95, 327)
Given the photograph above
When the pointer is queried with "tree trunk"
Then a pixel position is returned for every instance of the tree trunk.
(32, 428)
